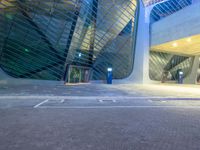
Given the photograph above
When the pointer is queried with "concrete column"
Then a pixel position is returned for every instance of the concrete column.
(192, 77)
(140, 73)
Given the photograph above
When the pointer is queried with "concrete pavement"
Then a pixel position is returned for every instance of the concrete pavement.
(99, 117)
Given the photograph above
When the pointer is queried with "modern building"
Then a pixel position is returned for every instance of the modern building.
(78, 40)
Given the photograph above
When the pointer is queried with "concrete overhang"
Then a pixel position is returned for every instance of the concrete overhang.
(178, 28)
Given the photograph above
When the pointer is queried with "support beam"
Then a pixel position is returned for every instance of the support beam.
(140, 72)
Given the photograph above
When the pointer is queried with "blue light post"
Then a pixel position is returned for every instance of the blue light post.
(109, 76)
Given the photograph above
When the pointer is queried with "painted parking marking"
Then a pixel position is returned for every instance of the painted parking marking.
(62, 100)
(149, 100)
(81, 103)
(107, 100)
(110, 107)
(98, 97)
(41, 103)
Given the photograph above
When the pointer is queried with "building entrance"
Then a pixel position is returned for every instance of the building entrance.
(78, 74)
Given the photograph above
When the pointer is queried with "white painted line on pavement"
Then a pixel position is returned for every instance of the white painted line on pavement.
(105, 107)
(38, 105)
(101, 101)
(62, 101)
(107, 100)
(50, 97)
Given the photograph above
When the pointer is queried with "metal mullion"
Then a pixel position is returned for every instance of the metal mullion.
(49, 27)
(160, 65)
(6, 68)
(123, 61)
(125, 9)
(106, 33)
(58, 11)
(36, 65)
(56, 64)
(160, 11)
(162, 59)
(155, 60)
(182, 3)
(32, 18)
(185, 3)
(35, 28)
(6, 36)
(20, 66)
(29, 55)
(173, 10)
(88, 39)
(26, 70)
(169, 10)
(176, 8)
(16, 64)
(44, 48)
(24, 32)
(97, 76)
(46, 43)
(33, 47)
(106, 15)
(154, 13)
(101, 51)
(39, 31)
(108, 48)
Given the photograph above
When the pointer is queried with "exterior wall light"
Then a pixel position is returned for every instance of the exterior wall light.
(109, 69)
(174, 44)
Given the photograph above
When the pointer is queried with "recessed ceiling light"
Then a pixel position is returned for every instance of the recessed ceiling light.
(189, 40)
(174, 44)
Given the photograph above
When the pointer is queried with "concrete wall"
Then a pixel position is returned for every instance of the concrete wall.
(181, 24)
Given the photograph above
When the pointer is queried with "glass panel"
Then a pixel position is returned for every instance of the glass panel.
(38, 39)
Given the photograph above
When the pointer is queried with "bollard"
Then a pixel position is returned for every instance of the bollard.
(180, 76)
(109, 76)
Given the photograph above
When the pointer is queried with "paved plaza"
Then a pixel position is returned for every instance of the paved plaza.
(99, 117)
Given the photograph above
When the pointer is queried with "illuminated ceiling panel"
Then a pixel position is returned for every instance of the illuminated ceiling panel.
(186, 46)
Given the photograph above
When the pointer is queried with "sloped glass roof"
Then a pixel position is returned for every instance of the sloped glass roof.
(150, 2)
(167, 8)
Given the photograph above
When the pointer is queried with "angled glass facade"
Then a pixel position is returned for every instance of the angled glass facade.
(42, 39)
(161, 62)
